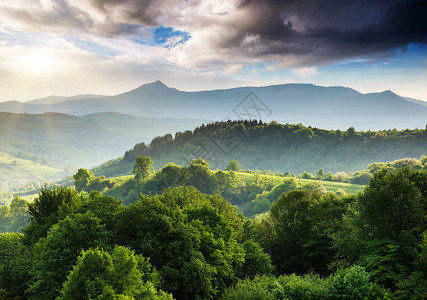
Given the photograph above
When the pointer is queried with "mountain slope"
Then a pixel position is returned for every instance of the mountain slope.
(325, 107)
(61, 141)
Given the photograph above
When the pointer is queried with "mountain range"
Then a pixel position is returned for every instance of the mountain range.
(323, 107)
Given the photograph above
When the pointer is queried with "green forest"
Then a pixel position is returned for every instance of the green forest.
(276, 147)
(152, 225)
(182, 237)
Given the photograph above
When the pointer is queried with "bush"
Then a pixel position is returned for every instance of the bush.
(307, 175)
(350, 283)
(257, 289)
(308, 287)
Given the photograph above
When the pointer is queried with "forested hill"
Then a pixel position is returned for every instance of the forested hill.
(274, 146)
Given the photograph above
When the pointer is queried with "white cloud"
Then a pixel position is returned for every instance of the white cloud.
(305, 72)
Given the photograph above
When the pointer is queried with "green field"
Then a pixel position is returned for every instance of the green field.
(15, 172)
(349, 188)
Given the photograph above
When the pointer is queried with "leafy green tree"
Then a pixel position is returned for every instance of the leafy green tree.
(200, 176)
(351, 283)
(82, 179)
(102, 207)
(391, 208)
(382, 262)
(308, 286)
(4, 218)
(191, 238)
(157, 231)
(18, 214)
(306, 175)
(257, 263)
(15, 262)
(55, 255)
(51, 206)
(169, 176)
(98, 274)
(415, 285)
(142, 168)
(320, 174)
(258, 288)
(384, 230)
(233, 165)
(297, 230)
(361, 177)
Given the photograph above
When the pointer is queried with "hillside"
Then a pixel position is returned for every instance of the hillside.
(276, 147)
(68, 142)
(324, 107)
(15, 171)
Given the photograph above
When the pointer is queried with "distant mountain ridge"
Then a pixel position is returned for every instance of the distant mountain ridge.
(59, 99)
(324, 107)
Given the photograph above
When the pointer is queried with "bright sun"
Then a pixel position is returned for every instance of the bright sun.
(39, 63)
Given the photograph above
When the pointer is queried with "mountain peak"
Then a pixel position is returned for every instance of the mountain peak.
(388, 93)
(155, 84)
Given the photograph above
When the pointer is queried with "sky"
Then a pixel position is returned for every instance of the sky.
(70, 47)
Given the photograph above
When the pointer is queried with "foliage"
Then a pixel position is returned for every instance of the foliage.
(309, 286)
(82, 178)
(14, 218)
(204, 248)
(258, 288)
(351, 283)
(191, 238)
(283, 147)
(383, 231)
(100, 274)
(51, 206)
(233, 165)
(15, 260)
(297, 230)
(256, 261)
(55, 255)
(142, 167)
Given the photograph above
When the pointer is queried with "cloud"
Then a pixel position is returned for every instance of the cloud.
(305, 72)
(212, 34)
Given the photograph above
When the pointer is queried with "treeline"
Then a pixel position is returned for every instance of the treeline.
(276, 147)
(197, 174)
(36, 159)
(184, 244)
(253, 196)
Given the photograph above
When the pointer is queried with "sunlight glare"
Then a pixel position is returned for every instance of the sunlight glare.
(39, 63)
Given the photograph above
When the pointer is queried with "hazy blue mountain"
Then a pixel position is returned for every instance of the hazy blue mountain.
(59, 99)
(324, 107)
(423, 103)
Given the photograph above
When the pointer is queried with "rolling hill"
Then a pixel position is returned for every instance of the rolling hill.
(62, 141)
(323, 107)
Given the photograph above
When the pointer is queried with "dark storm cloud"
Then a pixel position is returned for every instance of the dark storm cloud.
(324, 31)
(139, 11)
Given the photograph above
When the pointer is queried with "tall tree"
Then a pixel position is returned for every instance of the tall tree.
(82, 178)
(233, 165)
(142, 167)
(51, 206)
